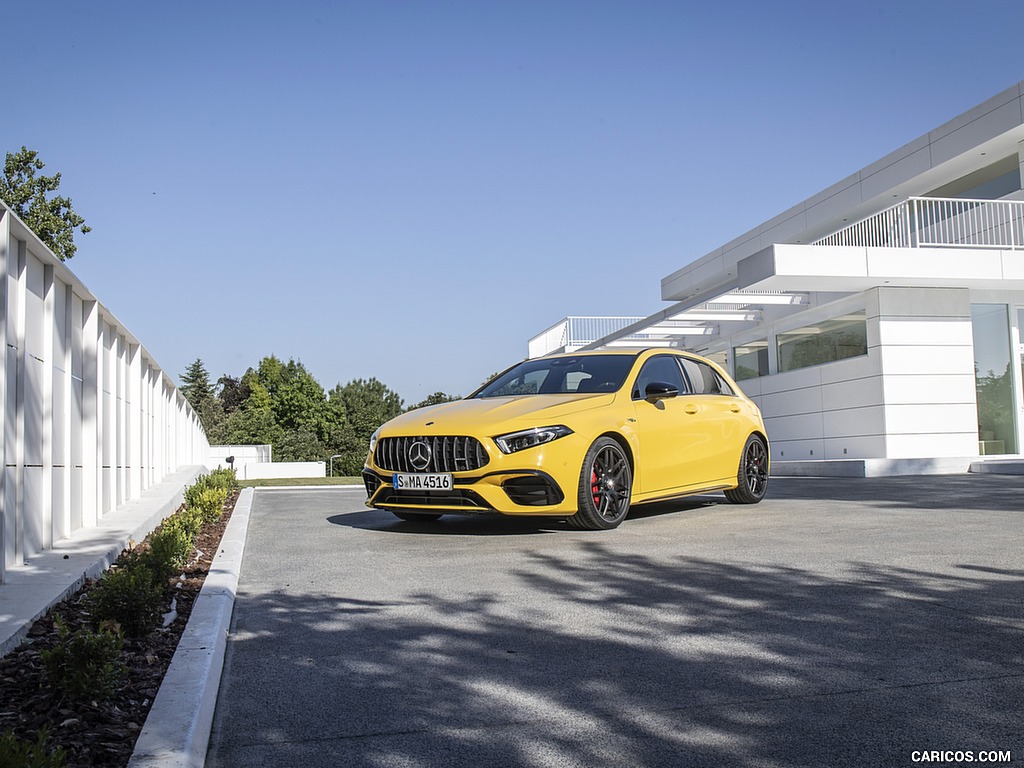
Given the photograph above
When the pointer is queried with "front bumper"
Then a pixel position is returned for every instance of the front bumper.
(508, 492)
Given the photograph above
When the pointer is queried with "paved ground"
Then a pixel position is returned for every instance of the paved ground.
(842, 622)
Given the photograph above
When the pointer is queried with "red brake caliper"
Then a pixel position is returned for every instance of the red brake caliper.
(595, 489)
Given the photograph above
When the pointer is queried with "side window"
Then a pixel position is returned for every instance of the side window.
(704, 379)
(662, 368)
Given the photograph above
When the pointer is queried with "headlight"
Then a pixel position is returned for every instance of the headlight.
(373, 439)
(528, 438)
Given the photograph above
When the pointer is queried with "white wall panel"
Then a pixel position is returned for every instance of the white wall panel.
(798, 450)
(860, 422)
(936, 446)
(901, 389)
(854, 447)
(925, 332)
(793, 427)
(917, 360)
(931, 419)
(793, 402)
(853, 393)
(87, 420)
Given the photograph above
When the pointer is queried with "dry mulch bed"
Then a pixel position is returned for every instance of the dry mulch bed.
(100, 733)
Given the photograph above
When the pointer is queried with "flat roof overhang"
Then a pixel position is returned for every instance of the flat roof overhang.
(848, 269)
(784, 274)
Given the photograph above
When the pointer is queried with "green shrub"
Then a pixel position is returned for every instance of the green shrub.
(210, 504)
(156, 562)
(193, 492)
(128, 596)
(223, 478)
(20, 754)
(85, 664)
(169, 549)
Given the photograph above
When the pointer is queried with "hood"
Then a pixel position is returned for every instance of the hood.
(467, 416)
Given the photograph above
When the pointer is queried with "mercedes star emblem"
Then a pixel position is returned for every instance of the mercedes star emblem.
(419, 455)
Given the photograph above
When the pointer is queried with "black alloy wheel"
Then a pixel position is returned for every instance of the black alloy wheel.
(605, 489)
(752, 477)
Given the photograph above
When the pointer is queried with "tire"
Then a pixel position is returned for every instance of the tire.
(752, 477)
(415, 517)
(606, 484)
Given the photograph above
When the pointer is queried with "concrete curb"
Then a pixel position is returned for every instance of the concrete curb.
(177, 731)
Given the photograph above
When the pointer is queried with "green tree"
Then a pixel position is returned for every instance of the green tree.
(196, 387)
(51, 218)
(299, 401)
(231, 393)
(195, 384)
(366, 403)
(435, 399)
(253, 423)
(299, 445)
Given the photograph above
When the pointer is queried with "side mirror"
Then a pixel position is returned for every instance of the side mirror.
(659, 390)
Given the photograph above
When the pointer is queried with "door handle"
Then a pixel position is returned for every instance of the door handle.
(691, 409)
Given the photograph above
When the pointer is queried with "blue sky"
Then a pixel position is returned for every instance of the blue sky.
(411, 190)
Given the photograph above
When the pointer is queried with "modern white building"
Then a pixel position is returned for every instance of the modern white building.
(878, 324)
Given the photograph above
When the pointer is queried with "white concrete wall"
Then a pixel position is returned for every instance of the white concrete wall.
(253, 462)
(911, 396)
(87, 417)
(927, 355)
(283, 469)
(244, 455)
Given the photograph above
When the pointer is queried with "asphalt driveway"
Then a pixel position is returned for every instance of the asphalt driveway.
(841, 622)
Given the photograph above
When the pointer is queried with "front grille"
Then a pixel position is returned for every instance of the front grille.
(447, 454)
(457, 498)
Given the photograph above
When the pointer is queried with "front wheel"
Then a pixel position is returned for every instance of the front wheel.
(752, 477)
(606, 483)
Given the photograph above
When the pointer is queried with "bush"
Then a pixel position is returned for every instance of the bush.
(223, 478)
(20, 754)
(208, 494)
(128, 596)
(211, 504)
(85, 664)
(193, 492)
(170, 547)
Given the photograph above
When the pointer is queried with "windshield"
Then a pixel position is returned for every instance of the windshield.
(554, 375)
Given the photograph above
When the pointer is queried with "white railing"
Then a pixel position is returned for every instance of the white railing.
(938, 222)
(88, 420)
(572, 333)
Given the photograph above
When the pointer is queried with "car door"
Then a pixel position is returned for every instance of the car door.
(722, 438)
(668, 429)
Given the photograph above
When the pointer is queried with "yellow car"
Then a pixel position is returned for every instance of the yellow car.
(580, 436)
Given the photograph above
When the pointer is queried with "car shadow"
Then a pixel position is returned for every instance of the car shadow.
(503, 525)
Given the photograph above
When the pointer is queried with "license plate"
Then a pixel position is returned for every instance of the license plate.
(441, 481)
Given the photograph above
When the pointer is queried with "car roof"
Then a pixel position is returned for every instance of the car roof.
(628, 351)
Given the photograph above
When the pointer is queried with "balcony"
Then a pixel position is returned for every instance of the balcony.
(572, 333)
(938, 222)
(672, 327)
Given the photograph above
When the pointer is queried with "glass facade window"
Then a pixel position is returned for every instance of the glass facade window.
(825, 342)
(750, 360)
(993, 378)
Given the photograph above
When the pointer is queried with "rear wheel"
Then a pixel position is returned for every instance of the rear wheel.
(606, 483)
(415, 517)
(752, 477)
